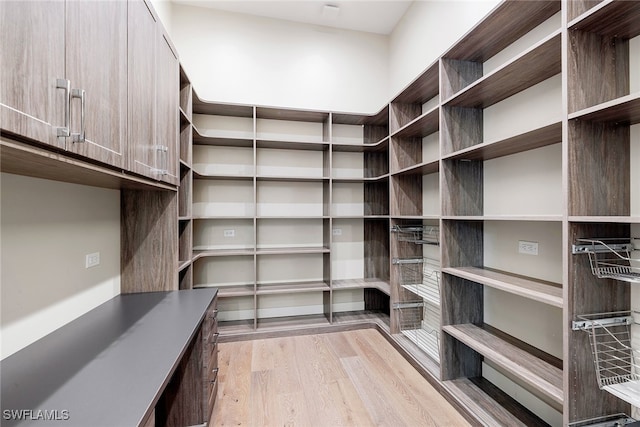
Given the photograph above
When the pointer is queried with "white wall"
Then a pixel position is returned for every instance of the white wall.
(238, 58)
(47, 229)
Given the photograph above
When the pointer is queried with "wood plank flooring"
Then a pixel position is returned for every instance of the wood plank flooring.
(353, 378)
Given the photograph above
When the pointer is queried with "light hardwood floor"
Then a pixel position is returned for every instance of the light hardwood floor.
(353, 378)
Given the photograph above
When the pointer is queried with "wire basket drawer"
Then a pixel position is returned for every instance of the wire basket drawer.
(611, 258)
(418, 234)
(616, 361)
(421, 276)
(419, 321)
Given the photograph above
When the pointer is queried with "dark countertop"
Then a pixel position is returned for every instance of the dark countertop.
(106, 368)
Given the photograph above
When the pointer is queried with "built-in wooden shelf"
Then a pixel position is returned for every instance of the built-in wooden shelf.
(292, 144)
(490, 404)
(201, 106)
(220, 140)
(291, 323)
(537, 290)
(374, 283)
(273, 113)
(208, 253)
(416, 217)
(610, 18)
(291, 288)
(361, 179)
(542, 137)
(533, 66)
(423, 125)
(293, 250)
(546, 218)
(230, 291)
(184, 117)
(381, 145)
(221, 177)
(292, 178)
(535, 374)
(509, 21)
(234, 328)
(623, 110)
(182, 264)
(420, 169)
(422, 88)
(201, 217)
(606, 219)
(380, 118)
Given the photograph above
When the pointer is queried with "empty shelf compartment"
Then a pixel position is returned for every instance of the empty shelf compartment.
(538, 376)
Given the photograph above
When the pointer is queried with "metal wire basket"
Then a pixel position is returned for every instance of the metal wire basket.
(616, 361)
(610, 258)
(420, 276)
(418, 234)
(419, 322)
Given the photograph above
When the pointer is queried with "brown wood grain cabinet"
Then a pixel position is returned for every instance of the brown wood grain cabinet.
(32, 41)
(153, 97)
(51, 82)
(98, 80)
(96, 58)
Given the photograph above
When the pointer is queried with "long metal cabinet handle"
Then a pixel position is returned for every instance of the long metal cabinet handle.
(162, 160)
(79, 93)
(65, 84)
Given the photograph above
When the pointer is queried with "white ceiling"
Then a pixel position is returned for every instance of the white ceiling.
(374, 16)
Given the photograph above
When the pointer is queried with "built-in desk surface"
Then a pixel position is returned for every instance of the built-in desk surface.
(109, 366)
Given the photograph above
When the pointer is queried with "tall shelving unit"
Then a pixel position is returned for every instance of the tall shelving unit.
(522, 138)
(275, 225)
(603, 144)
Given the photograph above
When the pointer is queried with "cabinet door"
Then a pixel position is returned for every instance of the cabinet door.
(96, 62)
(32, 52)
(142, 88)
(168, 100)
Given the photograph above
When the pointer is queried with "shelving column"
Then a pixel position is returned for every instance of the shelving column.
(224, 231)
(501, 180)
(293, 267)
(359, 214)
(185, 223)
(415, 205)
(603, 146)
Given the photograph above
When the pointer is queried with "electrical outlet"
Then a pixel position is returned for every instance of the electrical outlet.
(337, 231)
(91, 260)
(527, 248)
(229, 233)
